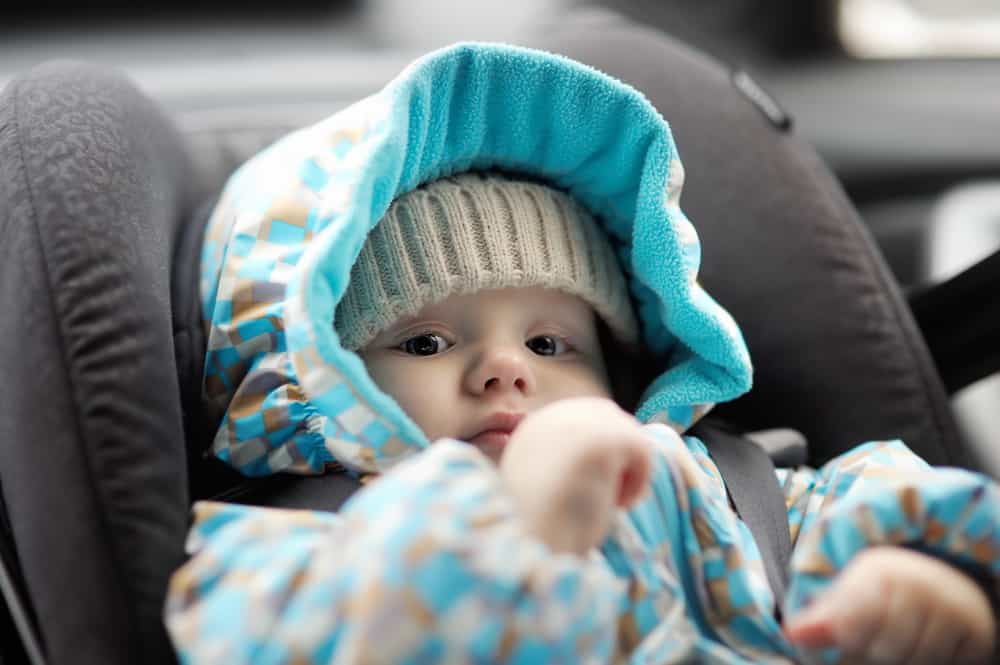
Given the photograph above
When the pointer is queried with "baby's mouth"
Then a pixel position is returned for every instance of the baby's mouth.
(491, 439)
(493, 434)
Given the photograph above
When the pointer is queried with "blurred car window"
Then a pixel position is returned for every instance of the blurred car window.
(919, 28)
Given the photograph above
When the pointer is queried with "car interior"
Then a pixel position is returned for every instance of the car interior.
(849, 182)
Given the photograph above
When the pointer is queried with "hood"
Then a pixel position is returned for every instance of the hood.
(291, 222)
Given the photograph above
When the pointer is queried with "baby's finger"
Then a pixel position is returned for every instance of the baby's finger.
(899, 633)
(810, 630)
(938, 642)
(636, 473)
(972, 651)
(848, 615)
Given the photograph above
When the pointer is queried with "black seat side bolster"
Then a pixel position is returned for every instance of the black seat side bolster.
(327, 492)
(205, 477)
(91, 453)
(836, 351)
(19, 635)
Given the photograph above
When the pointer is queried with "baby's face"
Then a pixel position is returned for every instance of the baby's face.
(472, 366)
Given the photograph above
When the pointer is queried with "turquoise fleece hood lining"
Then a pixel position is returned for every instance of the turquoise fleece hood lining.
(292, 221)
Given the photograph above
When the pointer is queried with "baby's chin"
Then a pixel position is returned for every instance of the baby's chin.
(493, 450)
(493, 454)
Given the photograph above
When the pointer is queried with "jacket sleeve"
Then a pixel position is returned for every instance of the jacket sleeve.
(880, 493)
(699, 591)
(428, 563)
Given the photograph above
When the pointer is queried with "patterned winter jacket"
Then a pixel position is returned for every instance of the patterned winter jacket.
(430, 563)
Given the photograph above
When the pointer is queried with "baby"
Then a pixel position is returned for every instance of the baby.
(517, 370)
(479, 326)
(470, 345)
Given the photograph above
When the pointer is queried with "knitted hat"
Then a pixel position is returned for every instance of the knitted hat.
(473, 232)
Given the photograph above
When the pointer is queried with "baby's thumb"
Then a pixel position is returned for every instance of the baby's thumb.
(635, 474)
(812, 627)
(846, 603)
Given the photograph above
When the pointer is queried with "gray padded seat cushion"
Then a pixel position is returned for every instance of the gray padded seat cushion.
(836, 350)
(92, 462)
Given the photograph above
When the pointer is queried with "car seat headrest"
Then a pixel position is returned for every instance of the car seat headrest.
(836, 352)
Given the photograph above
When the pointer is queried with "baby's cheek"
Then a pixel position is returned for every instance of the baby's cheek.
(582, 381)
(416, 407)
(432, 410)
(420, 394)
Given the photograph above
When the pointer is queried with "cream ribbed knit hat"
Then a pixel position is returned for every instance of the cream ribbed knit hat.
(474, 232)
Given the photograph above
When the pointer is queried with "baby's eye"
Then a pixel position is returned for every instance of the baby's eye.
(547, 345)
(426, 344)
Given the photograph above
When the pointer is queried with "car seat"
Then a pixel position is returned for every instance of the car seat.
(101, 430)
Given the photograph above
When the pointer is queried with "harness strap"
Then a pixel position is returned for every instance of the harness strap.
(753, 488)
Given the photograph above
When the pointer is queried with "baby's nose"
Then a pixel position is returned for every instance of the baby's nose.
(501, 370)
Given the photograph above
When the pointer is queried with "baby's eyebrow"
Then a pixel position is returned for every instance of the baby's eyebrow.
(580, 331)
(412, 325)
(570, 317)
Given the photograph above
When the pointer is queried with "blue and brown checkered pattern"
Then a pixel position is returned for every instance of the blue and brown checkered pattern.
(254, 251)
(430, 563)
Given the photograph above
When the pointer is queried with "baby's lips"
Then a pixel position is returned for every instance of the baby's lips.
(492, 434)
(500, 422)
(493, 439)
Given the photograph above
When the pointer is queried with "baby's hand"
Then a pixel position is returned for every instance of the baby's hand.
(893, 605)
(570, 465)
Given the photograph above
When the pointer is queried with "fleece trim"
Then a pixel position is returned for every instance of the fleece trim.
(292, 221)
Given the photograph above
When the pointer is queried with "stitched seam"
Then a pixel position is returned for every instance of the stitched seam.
(99, 499)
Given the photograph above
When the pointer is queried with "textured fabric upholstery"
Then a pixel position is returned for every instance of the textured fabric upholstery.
(92, 463)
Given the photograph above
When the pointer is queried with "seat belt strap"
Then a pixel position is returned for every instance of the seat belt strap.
(753, 488)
